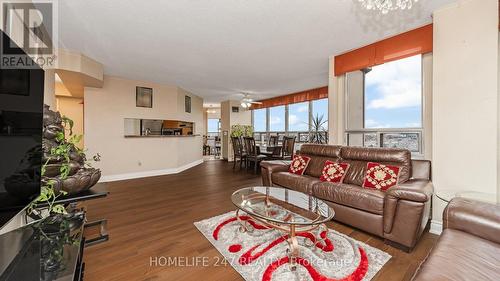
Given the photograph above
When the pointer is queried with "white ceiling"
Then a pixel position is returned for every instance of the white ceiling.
(216, 48)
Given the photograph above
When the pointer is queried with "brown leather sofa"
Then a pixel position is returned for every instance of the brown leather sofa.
(399, 215)
(469, 246)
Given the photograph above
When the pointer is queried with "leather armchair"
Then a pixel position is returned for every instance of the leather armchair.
(478, 219)
(469, 246)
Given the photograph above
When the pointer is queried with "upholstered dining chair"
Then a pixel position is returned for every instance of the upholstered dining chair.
(252, 153)
(238, 152)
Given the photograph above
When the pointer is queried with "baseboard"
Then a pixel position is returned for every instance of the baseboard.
(152, 173)
(436, 227)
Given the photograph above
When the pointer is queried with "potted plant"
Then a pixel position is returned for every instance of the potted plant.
(241, 131)
(318, 132)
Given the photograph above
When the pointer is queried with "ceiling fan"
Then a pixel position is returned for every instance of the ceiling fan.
(247, 102)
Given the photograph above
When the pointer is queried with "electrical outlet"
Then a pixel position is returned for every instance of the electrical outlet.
(139, 163)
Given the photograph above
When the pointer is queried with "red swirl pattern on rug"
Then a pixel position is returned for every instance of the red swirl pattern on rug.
(247, 257)
(357, 275)
(215, 234)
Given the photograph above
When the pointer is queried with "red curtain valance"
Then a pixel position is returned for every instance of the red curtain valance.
(308, 95)
(414, 42)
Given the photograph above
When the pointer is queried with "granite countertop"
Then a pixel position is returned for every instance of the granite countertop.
(162, 136)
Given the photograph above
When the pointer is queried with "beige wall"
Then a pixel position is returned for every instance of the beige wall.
(73, 109)
(49, 95)
(228, 119)
(336, 106)
(105, 111)
(225, 126)
(465, 98)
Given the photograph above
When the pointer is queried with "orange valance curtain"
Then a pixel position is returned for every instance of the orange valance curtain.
(414, 42)
(313, 94)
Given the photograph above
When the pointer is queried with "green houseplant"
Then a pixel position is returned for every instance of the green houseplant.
(241, 131)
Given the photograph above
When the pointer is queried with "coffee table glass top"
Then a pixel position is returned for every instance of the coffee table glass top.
(282, 206)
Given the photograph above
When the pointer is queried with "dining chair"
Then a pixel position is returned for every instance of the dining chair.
(273, 141)
(288, 147)
(252, 153)
(238, 152)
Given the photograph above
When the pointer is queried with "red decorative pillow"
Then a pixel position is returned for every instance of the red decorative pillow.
(381, 177)
(299, 164)
(334, 172)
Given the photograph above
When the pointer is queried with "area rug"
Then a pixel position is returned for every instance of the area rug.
(261, 253)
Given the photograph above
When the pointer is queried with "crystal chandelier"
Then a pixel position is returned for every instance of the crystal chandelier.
(387, 5)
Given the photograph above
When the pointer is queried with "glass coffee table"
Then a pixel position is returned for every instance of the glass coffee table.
(285, 210)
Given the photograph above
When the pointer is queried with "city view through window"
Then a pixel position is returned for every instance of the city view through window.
(393, 105)
(293, 120)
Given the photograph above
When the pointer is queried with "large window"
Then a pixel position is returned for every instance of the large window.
(298, 117)
(259, 120)
(393, 94)
(320, 112)
(277, 119)
(213, 125)
(293, 120)
(384, 105)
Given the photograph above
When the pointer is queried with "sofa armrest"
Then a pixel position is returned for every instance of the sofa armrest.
(474, 217)
(421, 169)
(417, 190)
(269, 167)
(406, 211)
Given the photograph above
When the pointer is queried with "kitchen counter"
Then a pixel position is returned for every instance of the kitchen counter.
(162, 136)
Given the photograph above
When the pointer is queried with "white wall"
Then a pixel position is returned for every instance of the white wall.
(465, 98)
(105, 111)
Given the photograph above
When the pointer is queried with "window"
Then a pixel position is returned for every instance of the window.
(259, 120)
(298, 117)
(320, 111)
(213, 125)
(384, 105)
(277, 119)
(393, 94)
(291, 120)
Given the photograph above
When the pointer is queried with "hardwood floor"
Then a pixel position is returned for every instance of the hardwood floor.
(153, 217)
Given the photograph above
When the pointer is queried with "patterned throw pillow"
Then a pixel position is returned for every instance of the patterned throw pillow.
(299, 164)
(381, 177)
(334, 172)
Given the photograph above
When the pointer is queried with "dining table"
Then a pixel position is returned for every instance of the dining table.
(269, 150)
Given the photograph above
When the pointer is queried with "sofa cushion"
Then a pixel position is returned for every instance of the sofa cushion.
(369, 200)
(302, 183)
(334, 172)
(299, 164)
(319, 153)
(380, 176)
(461, 256)
(358, 157)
